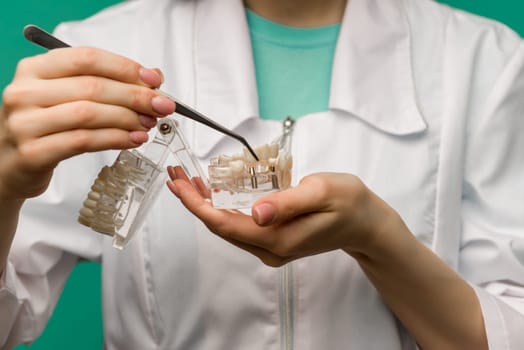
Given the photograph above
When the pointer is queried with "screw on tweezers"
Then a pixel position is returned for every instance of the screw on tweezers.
(165, 128)
(48, 41)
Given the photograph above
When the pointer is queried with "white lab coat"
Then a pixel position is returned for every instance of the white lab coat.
(427, 107)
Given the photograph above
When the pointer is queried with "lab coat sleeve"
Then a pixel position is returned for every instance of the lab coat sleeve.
(47, 245)
(492, 248)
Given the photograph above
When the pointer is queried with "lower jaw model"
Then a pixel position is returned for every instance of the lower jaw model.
(237, 181)
(123, 193)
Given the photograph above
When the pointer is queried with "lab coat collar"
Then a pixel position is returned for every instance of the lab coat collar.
(372, 77)
(372, 71)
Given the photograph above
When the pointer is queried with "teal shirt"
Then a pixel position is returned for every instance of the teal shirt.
(292, 66)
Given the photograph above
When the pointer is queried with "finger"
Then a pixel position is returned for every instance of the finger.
(29, 124)
(201, 187)
(176, 172)
(279, 207)
(198, 183)
(47, 151)
(88, 61)
(46, 93)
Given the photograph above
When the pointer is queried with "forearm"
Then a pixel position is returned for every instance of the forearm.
(9, 212)
(433, 302)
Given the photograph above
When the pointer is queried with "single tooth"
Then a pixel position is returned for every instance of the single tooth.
(104, 197)
(273, 150)
(106, 219)
(286, 179)
(99, 185)
(133, 168)
(285, 161)
(86, 212)
(108, 185)
(121, 171)
(114, 194)
(117, 182)
(84, 221)
(101, 180)
(281, 161)
(262, 152)
(248, 157)
(104, 173)
(237, 167)
(93, 195)
(106, 208)
(123, 175)
(130, 173)
(89, 203)
(238, 156)
(129, 169)
(223, 171)
(115, 185)
(224, 159)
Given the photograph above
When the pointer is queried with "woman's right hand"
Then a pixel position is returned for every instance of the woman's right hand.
(71, 101)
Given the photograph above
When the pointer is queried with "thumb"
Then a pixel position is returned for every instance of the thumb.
(279, 207)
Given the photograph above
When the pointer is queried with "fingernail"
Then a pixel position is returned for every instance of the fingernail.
(138, 137)
(149, 77)
(147, 121)
(171, 172)
(174, 188)
(163, 105)
(159, 72)
(264, 214)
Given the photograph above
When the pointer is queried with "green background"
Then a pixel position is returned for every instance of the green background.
(76, 322)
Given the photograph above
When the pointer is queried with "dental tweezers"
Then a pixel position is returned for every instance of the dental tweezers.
(50, 42)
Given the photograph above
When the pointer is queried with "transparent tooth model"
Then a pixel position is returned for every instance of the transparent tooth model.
(123, 193)
(239, 180)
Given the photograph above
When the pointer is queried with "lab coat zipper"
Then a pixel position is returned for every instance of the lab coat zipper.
(286, 307)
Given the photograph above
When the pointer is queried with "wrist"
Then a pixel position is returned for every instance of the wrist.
(9, 213)
(11, 204)
(387, 234)
(9, 197)
(8, 201)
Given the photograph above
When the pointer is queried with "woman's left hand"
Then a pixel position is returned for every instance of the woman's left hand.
(324, 212)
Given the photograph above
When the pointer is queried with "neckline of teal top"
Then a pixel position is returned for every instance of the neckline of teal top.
(288, 36)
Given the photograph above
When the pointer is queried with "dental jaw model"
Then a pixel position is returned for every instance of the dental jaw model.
(239, 180)
(123, 193)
